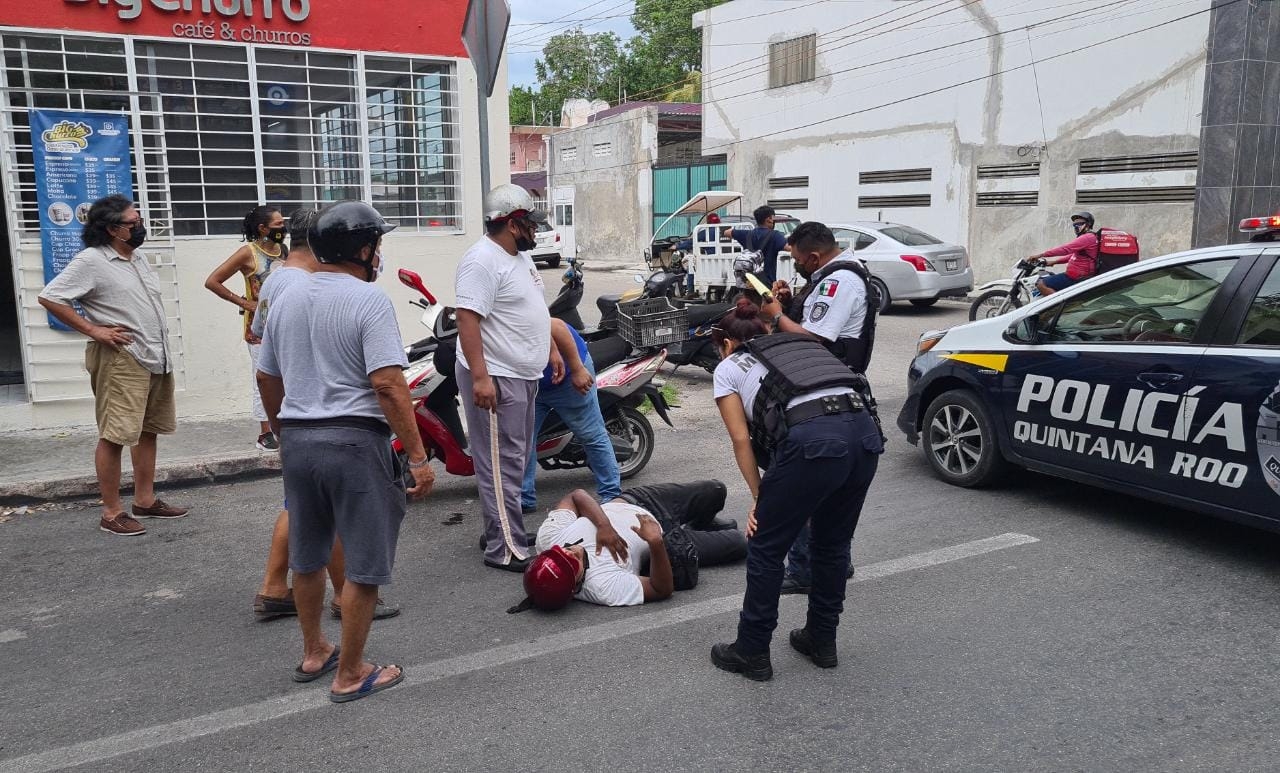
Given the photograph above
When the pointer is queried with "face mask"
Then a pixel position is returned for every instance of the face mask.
(802, 268)
(276, 235)
(137, 235)
(525, 243)
(1079, 228)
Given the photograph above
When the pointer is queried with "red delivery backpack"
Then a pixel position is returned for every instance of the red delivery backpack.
(1115, 249)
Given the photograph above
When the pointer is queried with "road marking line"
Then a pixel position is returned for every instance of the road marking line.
(11, 634)
(146, 738)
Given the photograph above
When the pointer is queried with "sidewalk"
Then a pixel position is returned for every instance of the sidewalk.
(49, 465)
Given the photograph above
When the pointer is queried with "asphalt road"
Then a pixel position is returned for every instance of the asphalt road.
(1042, 626)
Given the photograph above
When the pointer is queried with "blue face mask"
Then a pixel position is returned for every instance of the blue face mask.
(1080, 227)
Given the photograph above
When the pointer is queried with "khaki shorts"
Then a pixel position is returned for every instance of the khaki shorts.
(128, 399)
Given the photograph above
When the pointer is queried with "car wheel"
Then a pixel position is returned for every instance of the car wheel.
(960, 440)
(553, 261)
(882, 293)
(923, 302)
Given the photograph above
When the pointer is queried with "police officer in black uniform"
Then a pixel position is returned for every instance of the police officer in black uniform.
(793, 408)
(833, 308)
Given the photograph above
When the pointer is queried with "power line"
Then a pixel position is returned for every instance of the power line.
(981, 78)
(949, 87)
(531, 36)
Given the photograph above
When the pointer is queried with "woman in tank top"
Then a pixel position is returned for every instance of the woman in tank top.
(264, 233)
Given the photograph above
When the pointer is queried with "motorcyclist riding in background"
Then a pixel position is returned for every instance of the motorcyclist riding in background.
(1080, 254)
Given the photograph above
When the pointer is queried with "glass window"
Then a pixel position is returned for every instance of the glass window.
(413, 153)
(208, 130)
(911, 237)
(1160, 306)
(206, 109)
(52, 72)
(1262, 325)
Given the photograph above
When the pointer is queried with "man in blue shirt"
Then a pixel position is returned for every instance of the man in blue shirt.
(574, 399)
(764, 240)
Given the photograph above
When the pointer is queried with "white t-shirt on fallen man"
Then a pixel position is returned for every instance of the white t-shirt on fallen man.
(607, 582)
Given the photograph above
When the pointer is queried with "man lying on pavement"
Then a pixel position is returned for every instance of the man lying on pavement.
(620, 554)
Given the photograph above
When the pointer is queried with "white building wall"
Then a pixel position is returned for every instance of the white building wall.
(870, 107)
(216, 363)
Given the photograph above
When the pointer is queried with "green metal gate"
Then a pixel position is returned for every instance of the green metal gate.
(674, 185)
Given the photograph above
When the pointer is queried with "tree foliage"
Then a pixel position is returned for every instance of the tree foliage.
(661, 63)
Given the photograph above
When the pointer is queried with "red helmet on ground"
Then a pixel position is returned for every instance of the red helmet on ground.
(550, 579)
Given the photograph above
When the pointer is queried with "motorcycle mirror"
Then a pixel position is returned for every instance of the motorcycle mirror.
(412, 280)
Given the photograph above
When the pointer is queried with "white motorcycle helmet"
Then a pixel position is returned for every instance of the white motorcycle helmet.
(510, 200)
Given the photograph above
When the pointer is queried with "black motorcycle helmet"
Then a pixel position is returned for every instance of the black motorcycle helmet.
(342, 231)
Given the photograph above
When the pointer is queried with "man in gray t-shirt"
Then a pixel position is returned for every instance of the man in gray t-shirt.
(331, 377)
(128, 358)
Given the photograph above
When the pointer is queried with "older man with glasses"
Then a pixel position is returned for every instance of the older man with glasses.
(128, 359)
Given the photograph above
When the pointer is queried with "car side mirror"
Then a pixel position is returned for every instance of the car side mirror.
(412, 280)
(1025, 331)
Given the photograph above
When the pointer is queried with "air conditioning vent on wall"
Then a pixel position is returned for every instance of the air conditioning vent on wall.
(788, 182)
(890, 202)
(788, 203)
(896, 176)
(1009, 199)
(999, 171)
(1153, 163)
(1171, 194)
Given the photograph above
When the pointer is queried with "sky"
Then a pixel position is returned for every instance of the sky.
(534, 21)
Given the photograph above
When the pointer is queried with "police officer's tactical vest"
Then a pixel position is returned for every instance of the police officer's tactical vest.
(797, 364)
(854, 352)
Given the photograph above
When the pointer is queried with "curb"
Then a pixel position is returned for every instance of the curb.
(179, 474)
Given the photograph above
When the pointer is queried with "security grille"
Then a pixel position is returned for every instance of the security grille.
(788, 182)
(1151, 163)
(792, 61)
(1001, 171)
(1009, 199)
(894, 202)
(896, 176)
(1152, 195)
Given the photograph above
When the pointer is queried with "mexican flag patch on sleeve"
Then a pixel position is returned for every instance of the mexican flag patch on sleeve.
(828, 288)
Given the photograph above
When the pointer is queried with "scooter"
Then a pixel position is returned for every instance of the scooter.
(1004, 295)
(624, 381)
(565, 304)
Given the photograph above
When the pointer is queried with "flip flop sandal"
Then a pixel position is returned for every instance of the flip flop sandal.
(367, 687)
(310, 676)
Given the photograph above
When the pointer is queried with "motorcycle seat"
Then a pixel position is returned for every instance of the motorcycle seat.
(607, 303)
(608, 351)
(702, 313)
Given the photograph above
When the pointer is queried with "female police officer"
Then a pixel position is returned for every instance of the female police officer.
(821, 449)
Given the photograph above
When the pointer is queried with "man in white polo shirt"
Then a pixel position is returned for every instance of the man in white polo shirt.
(504, 337)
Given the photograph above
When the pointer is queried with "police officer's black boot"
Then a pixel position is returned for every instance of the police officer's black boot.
(823, 655)
(727, 658)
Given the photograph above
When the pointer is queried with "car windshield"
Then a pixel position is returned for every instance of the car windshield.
(911, 237)
(544, 228)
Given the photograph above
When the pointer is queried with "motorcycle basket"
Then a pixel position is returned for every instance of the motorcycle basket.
(652, 322)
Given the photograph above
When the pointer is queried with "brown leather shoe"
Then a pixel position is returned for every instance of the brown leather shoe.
(159, 510)
(271, 607)
(121, 526)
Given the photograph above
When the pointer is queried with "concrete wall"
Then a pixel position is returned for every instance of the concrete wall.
(216, 364)
(613, 209)
(870, 108)
(1240, 168)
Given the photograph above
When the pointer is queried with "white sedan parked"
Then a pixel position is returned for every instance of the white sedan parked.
(907, 264)
(548, 245)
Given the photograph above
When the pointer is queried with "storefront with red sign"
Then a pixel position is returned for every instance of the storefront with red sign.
(232, 103)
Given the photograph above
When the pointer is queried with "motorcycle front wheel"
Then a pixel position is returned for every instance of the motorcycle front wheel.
(993, 303)
(632, 428)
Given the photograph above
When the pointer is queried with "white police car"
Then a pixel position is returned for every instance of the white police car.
(1160, 379)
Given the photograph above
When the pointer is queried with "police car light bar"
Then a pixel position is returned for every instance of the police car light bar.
(1257, 224)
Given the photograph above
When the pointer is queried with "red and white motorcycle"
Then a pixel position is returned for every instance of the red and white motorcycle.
(624, 380)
